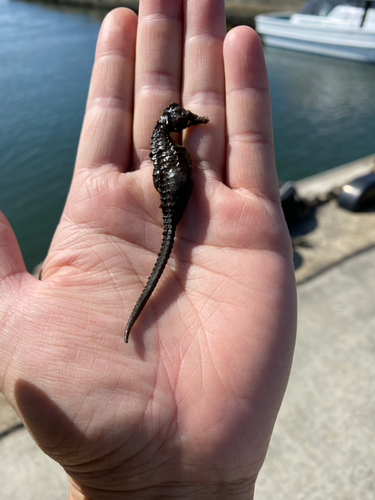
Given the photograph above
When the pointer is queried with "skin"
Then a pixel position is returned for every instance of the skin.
(187, 408)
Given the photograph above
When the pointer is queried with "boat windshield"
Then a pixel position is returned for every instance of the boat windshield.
(324, 7)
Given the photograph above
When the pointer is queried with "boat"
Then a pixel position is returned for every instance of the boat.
(327, 27)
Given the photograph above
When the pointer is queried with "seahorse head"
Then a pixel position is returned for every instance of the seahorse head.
(178, 118)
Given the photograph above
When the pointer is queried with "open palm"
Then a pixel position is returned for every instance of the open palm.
(188, 406)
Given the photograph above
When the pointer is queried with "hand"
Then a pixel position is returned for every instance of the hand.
(187, 408)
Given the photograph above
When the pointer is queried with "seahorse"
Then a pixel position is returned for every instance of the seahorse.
(172, 179)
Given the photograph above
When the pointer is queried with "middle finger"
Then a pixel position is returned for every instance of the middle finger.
(158, 67)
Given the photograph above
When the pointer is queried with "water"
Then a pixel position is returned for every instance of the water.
(46, 57)
(323, 112)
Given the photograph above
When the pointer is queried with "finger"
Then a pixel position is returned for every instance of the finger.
(106, 136)
(250, 153)
(11, 261)
(204, 88)
(158, 67)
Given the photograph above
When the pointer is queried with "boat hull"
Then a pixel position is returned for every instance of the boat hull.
(350, 43)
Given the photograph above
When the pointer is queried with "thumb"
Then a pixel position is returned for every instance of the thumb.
(11, 261)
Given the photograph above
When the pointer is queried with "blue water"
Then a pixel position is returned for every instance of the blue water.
(46, 56)
(323, 112)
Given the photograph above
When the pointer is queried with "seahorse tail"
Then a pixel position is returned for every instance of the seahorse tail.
(163, 256)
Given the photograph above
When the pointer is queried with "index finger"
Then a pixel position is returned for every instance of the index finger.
(106, 135)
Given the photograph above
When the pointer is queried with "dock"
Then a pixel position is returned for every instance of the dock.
(332, 234)
(323, 445)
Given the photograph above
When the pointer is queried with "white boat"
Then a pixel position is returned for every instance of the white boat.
(328, 27)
